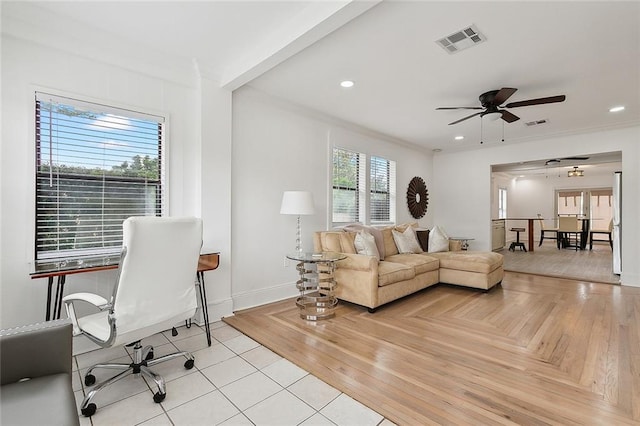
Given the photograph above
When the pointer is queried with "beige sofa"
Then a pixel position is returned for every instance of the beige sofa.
(367, 281)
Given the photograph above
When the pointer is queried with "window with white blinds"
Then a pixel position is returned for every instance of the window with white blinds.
(381, 190)
(362, 191)
(95, 167)
(346, 185)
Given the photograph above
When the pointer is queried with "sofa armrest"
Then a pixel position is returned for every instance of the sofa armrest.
(36, 350)
(359, 262)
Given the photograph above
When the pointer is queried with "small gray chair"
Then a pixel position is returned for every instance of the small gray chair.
(154, 291)
(35, 374)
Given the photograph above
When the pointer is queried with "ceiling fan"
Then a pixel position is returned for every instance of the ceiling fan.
(492, 100)
(558, 160)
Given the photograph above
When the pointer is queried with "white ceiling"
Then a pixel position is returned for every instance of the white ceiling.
(300, 51)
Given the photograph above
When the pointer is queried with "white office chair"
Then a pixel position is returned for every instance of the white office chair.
(155, 290)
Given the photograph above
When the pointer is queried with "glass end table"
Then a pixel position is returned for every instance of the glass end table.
(317, 300)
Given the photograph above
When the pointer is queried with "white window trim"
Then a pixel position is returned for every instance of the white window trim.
(30, 106)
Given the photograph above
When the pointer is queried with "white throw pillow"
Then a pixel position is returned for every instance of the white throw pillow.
(406, 241)
(365, 243)
(438, 240)
(377, 235)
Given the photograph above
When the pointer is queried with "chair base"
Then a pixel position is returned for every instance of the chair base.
(544, 231)
(142, 360)
(515, 245)
(591, 239)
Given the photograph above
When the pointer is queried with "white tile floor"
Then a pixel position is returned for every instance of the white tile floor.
(236, 381)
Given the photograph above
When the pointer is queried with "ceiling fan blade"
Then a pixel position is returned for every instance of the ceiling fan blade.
(509, 117)
(576, 158)
(503, 94)
(466, 118)
(549, 100)
(459, 108)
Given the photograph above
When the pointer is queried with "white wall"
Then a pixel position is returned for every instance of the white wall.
(529, 196)
(198, 169)
(462, 202)
(278, 147)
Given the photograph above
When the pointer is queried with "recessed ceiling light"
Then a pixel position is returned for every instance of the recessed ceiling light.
(459, 138)
(347, 83)
(616, 108)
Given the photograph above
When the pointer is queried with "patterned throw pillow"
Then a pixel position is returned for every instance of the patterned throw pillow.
(406, 241)
(366, 244)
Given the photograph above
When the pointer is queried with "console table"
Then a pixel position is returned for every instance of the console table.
(316, 284)
(60, 270)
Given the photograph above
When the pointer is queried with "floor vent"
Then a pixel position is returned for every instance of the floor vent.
(535, 122)
(460, 40)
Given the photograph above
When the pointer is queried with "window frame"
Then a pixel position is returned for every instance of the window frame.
(364, 188)
(160, 185)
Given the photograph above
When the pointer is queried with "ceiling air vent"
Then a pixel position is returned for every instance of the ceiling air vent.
(461, 40)
(535, 122)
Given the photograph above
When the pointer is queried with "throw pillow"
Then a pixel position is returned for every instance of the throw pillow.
(406, 241)
(365, 243)
(438, 240)
(377, 234)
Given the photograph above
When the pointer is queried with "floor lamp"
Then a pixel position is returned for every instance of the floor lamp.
(297, 203)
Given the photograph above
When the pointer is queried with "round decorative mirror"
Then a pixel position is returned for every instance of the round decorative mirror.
(417, 197)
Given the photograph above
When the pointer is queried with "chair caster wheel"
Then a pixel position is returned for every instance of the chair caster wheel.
(188, 364)
(149, 356)
(159, 397)
(89, 380)
(89, 411)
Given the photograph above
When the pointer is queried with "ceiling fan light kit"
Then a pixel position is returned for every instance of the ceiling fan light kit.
(575, 172)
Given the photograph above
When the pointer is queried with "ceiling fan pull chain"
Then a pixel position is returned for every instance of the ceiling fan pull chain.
(502, 130)
(481, 130)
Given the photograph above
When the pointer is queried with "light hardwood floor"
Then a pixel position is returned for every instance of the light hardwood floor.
(593, 265)
(535, 350)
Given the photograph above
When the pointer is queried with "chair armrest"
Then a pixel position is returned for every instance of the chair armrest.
(36, 350)
(94, 299)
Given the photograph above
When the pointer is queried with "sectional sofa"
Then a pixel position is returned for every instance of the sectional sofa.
(366, 280)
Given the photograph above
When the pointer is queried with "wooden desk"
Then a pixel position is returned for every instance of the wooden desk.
(60, 269)
(530, 226)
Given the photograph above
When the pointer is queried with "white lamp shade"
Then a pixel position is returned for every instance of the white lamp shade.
(297, 202)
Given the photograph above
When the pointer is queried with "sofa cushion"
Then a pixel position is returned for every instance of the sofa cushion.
(389, 244)
(406, 241)
(365, 244)
(337, 241)
(391, 272)
(419, 262)
(471, 261)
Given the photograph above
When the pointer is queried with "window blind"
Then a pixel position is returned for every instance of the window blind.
(382, 180)
(95, 166)
(346, 186)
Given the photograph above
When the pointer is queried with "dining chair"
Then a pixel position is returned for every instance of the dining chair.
(544, 230)
(606, 232)
(569, 226)
(154, 291)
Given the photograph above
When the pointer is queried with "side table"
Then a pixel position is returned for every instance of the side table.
(464, 241)
(316, 284)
